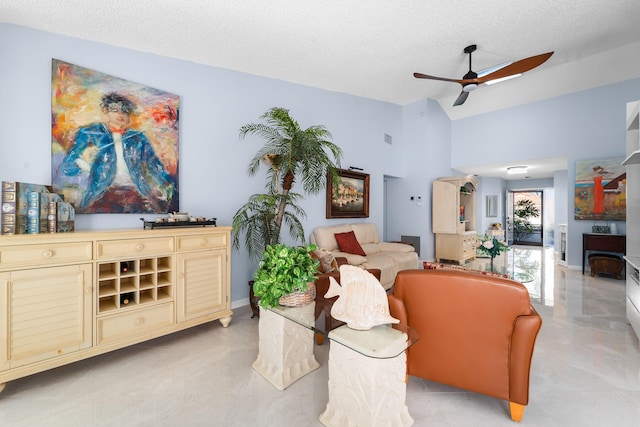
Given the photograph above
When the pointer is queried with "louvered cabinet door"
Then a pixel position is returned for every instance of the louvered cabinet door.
(202, 282)
(46, 312)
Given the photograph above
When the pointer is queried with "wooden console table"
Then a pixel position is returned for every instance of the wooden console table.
(603, 242)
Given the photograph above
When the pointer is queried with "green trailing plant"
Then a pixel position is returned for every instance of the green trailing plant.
(291, 154)
(282, 270)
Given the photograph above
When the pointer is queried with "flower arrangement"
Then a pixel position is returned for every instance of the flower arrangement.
(491, 246)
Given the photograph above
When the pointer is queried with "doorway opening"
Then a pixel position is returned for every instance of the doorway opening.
(525, 225)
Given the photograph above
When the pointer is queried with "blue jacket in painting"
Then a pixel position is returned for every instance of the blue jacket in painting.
(146, 170)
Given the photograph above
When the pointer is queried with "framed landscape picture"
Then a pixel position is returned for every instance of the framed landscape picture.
(349, 196)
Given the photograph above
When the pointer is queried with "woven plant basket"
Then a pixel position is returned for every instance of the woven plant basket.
(298, 299)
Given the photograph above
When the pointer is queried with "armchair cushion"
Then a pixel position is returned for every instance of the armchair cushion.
(348, 243)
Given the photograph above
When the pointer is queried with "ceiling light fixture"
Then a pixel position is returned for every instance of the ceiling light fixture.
(503, 79)
(493, 69)
(513, 170)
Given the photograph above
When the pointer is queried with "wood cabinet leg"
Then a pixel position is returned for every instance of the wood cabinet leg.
(2, 386)
(225, 321)
(517, 411)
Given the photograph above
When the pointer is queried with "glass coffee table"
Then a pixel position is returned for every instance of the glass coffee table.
(367, 369)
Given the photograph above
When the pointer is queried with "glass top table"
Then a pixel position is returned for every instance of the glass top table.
(516, 272)
(379, 342)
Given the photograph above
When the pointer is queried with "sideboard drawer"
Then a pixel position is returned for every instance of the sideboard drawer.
(206, 241)
(107, 249)
(133, 323)
(46, 254)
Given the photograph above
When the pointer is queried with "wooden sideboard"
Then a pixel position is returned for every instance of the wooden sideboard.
(603, 242)
(70, 296)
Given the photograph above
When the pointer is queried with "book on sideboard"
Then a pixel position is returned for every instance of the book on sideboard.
(61, 217)
(33, 212)
(15, 205)
(45, 199)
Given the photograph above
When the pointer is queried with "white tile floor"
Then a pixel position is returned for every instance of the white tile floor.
(586, 372)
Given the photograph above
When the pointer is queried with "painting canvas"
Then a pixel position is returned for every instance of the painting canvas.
(114, 143)
(349, 197)
(600, 191)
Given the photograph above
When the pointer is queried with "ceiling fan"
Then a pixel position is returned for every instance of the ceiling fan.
(471, 80)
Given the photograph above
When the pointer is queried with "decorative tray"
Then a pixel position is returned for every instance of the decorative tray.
(164, 224)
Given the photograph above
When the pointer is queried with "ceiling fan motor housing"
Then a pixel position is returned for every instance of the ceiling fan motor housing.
(470, 86)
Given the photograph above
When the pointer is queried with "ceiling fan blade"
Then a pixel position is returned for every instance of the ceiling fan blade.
(425, 76)
(461, 98)
(518, 67)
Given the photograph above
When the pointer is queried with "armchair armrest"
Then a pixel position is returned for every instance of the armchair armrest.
(525, 332)
(397, 309)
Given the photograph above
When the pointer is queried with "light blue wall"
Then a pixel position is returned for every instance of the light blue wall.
(584, 125)
(214, 104)
(489, 186)
(426, 136)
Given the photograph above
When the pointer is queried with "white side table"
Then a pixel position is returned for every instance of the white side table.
(367, 373)
(285, 345)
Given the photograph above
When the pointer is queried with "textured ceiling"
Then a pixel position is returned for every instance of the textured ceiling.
(369, 48)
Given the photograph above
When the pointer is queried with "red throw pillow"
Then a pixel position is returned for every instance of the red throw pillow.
(348, 243)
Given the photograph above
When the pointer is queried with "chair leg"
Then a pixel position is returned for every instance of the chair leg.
(517, 411)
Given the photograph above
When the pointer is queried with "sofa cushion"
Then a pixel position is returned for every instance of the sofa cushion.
(352, 259)
(370, 248)
(348, 243)
(404, 260)
(395, 247)
(324, 237)
(387, 267)
(366, 232)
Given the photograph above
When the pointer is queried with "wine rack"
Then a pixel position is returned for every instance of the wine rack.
(133, 282)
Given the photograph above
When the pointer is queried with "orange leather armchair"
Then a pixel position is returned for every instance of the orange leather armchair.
(475, 332)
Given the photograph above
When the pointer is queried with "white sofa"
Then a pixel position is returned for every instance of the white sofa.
(389, 257)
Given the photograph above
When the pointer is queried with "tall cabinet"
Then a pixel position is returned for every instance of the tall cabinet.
(454, 218)
(632, 163)
(69, 296)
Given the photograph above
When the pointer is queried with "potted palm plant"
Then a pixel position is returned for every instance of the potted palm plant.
(291, 154)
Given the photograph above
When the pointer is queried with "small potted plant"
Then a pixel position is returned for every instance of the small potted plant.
(285, 276)
(491, 246)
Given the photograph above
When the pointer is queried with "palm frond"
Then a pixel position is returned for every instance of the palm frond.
(295, 155)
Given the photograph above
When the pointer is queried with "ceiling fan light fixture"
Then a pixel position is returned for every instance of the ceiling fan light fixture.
(513, 76)
(493, 69)
(514, 170)
(469, 87)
